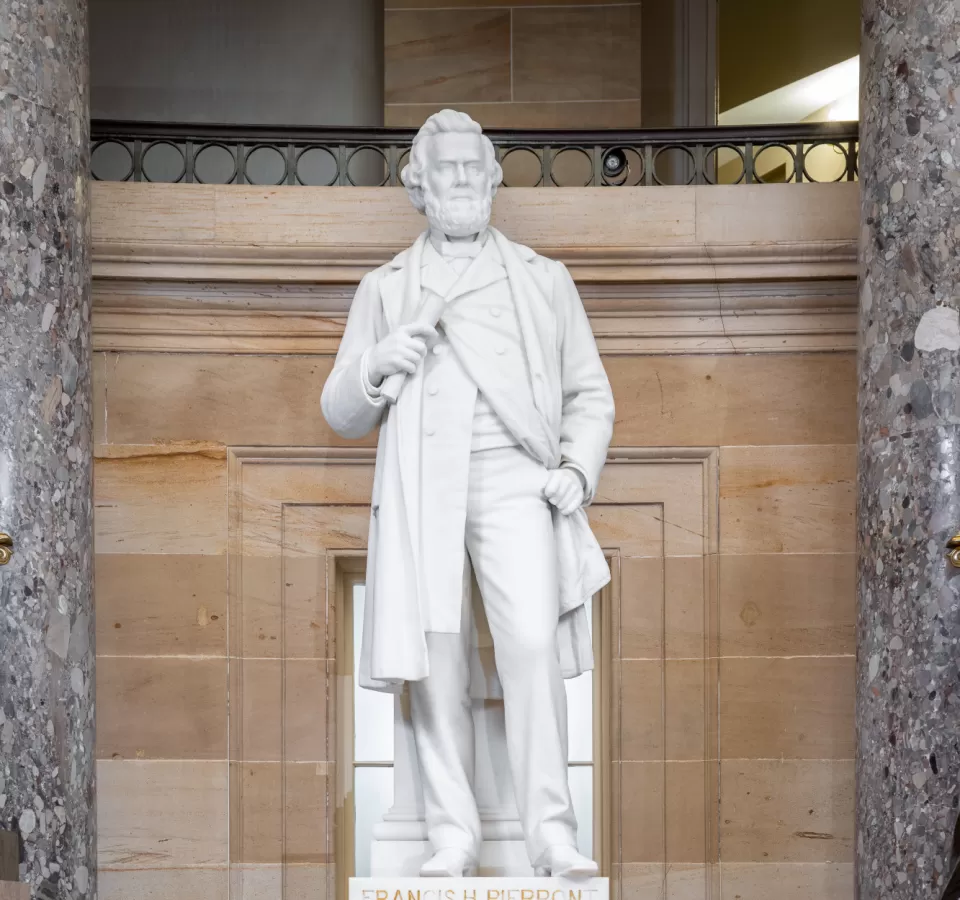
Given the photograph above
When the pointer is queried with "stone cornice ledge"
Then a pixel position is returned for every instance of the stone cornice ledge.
(303, 263)
(627, 319)
(705, 269)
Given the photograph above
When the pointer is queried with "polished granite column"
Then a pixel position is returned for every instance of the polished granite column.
(46, 589)
(908, 639)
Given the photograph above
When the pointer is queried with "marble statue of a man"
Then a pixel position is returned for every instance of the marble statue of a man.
(493, 446)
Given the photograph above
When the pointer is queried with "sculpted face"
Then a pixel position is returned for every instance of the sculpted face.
(457, 184)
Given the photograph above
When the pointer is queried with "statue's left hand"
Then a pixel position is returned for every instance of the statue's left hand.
(564, 489)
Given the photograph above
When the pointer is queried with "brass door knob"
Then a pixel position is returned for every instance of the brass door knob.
(6, 548)
(953, 550)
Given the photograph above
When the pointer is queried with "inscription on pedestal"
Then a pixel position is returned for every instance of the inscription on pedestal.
(478, 889)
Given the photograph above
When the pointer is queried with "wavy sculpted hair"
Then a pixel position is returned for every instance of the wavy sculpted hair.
(447, 120)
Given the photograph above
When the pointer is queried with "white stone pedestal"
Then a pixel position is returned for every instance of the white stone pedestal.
(479, 889)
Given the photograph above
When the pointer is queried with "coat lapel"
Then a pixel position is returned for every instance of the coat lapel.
(435, 274)
(487, 268)
(538, 331)
(392, 298)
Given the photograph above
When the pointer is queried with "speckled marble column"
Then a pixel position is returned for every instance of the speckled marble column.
(908, 641)
(46, 591)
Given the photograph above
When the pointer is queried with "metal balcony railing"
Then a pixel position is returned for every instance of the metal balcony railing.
(257, 154)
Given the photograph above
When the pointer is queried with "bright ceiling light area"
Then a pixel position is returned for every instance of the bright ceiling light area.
(831, 95)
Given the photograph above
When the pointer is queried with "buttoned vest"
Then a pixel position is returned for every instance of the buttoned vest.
(457, 420)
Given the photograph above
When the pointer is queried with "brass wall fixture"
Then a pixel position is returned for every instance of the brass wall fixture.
(6, 548)
(953, 550)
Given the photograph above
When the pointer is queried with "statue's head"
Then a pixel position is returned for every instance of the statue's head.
(453, 174)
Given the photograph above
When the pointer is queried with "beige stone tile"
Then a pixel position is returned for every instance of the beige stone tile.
(309, 612)
(596, 217)
(235, 400)
(668, 520)
(642, 812)
(125, 210)
(158, 604)
(341, 527)
(357, 218)
(161, 814)
(641, 701)
(638, 881)
(279, 813)
(447, 55)
(644, 601)
(282, 710)
(639, 632)
(646, 816)
(161, 708)
(576, 54)
(690, 882)
(711, 612)
(684, 708)
(566, 115)
(257, 614)
(272, 605)
(794, 708)
(332, 511)
(307, 881)
(786, 811)
(787, 881)
(660, 881)
(662, 716)
(291, 881)
(164, 503)
(667, 491)
(788, 499)
(309, 814)
(706, 401)
(378, 217)
(817, 214)
(656, 476)
(163, 884)
(173, 329)
(789, 604)
(311, 482)
(12, 890)
(634, 530)
(311, 531)
(365, 224)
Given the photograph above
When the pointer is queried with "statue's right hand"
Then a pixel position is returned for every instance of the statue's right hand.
(399, 351)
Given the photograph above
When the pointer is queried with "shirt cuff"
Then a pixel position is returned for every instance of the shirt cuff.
(566, 464)
(372, 392)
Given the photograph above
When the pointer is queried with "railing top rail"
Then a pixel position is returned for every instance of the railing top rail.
(102, 129)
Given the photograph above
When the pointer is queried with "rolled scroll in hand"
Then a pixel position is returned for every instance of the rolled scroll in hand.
(429, 314)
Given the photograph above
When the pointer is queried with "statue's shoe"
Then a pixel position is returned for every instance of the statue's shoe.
(561, 861)
(450, 862)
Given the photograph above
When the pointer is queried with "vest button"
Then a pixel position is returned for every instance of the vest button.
(432, 390)
(495, 312)
(501, 350)
(429, 432)
(439, 349)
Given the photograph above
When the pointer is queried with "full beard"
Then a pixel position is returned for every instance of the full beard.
(460, 218)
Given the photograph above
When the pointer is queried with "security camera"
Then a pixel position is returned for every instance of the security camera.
(615, 166)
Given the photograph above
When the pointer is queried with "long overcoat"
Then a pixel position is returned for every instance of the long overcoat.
(570, 420)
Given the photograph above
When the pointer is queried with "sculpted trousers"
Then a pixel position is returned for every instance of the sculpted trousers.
(509, 537)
